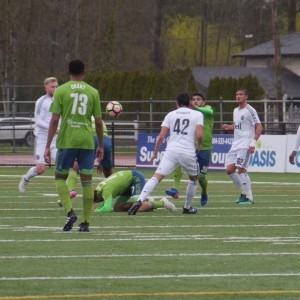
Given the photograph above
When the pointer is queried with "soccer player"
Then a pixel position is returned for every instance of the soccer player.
(185, 126)
(247, 130)
(42, 119)
(75, 102)
(203, 152)
(104, 166)
(297, 144)
(121, 188)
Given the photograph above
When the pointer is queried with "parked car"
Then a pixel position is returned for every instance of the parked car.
(19, 129)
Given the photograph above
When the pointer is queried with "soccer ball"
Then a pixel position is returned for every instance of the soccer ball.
(114, 109)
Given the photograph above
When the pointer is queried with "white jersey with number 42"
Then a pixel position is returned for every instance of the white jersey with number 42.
(182, 124)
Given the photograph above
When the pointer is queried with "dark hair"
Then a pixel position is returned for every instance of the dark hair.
(76, 67)
(243, 89)
(183, 99)
(200, 95)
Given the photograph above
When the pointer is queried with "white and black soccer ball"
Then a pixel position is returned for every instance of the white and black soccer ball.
(114, 109)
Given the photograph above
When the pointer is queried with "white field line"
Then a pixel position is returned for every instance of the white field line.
(171, 180)
(165, 276)
(149, 255)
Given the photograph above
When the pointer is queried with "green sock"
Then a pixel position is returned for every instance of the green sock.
(63, 193)
(177, 177)
(72, 180)
(88, 199)
(158, 204)
(203, 183)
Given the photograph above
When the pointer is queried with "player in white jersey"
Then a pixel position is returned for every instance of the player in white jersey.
(42, 119)
(247, 130)
(296, 147)
(185, 125)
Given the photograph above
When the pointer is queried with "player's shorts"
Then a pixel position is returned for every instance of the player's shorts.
(107, 145)
(203, 158)
(39, 149)
(240, 158)
(66, 158)
(171, 160)
(136, 185)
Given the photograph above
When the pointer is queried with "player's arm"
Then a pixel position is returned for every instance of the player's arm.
(52, 131)
(296, 147)
(99, 131)
(228, 127)
(207, 110)
(162, 135)
(258, 131)
(199, 134)
(107, 205)
(39, 117)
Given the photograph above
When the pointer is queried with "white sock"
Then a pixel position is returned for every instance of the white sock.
(236, 178)
(247, 185)
(31, 173)
(190, 193)
(148, 188)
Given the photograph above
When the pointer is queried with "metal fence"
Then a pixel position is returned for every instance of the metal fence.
(277, 117)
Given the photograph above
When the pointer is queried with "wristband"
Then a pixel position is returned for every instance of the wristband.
(253, 143)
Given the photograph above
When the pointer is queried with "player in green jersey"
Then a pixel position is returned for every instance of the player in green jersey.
(104, 166)
(203, 151)
(75, 102)
(121, 188)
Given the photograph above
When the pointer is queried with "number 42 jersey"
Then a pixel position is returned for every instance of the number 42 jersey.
(182, 124)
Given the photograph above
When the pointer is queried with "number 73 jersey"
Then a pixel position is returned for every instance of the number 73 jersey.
(182, 124)
(76, 102)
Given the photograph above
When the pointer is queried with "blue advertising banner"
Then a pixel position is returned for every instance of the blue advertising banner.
(146, 144)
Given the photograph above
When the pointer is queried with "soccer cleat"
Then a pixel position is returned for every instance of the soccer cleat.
(203, 199)
(22, 185)
(73, 194)
(174, 193)
(244, 200)
(71, 219)
(191, 211)
(169, 205)
(59, 203)
(83, 227)
(134, 208)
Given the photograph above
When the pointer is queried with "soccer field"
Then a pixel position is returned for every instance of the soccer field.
(226, 251)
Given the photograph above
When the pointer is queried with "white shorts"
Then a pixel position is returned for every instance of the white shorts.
(239, 157)
(39, 150)
(171, 160)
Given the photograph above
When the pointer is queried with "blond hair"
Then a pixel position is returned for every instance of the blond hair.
(50, 79)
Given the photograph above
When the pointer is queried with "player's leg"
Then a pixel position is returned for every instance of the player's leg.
(85, 159)
(73, 179)
(40, 165)
(203, 158)
(242, 165)
(166, 167)
(190, 166)
(65, 160)
(105, 166)
(174, 192)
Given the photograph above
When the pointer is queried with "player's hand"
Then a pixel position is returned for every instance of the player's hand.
(292, 157)
(154, 156)
(251, 150)
(100, 153)
(226, 127)
(47, 156)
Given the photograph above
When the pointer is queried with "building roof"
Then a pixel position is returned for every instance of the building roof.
(265, 76)
(290, 46)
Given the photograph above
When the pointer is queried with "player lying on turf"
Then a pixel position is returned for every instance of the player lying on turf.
(117, 193)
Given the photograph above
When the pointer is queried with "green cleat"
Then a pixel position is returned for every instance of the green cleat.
(244, 200)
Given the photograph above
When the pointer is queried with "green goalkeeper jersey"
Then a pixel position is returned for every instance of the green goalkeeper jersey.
(209, 119)
(76, 102)
(117, 184)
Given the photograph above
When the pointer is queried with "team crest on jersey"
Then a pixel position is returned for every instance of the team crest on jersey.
(242, 117)
(37, 157)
